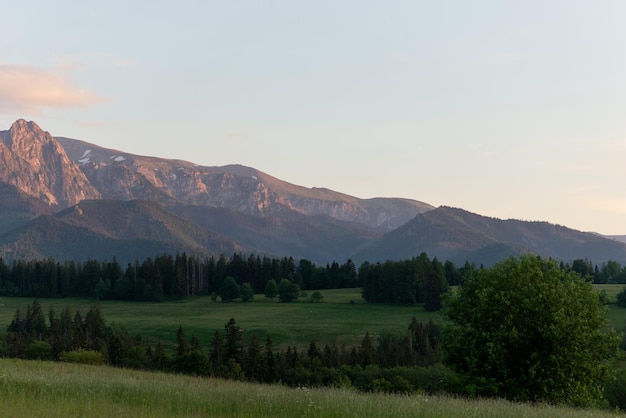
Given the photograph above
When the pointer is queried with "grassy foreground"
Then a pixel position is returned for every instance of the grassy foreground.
(46, 389)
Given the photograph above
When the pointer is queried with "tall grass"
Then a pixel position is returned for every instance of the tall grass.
(46, 389)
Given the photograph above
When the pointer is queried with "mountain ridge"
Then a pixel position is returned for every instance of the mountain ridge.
(459, 235)
(71, 198)
(232, 186)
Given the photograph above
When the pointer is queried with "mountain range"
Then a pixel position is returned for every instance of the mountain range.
(70, 199)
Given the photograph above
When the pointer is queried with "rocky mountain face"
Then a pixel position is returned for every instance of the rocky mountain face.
(123, 176)
(36, 164)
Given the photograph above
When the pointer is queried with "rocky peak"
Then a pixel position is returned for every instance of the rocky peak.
(36, 164)
(27, 140)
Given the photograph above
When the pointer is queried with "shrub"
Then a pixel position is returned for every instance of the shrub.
(316, 297)
(621, 298)
(615, 390)
(82, 357)
(38, 350)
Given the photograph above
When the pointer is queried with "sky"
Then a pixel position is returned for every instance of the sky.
(509, 109)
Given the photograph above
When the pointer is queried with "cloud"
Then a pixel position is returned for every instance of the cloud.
(26, 88)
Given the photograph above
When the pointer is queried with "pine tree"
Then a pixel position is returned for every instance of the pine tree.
(181, 342)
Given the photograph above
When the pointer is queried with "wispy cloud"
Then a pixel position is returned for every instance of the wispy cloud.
(26, 88)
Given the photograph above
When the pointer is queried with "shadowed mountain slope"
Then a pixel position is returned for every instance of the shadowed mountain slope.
(103, 229)
(460, 236)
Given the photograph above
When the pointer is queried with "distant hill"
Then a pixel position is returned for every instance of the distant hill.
(16, 207)
(103, 229)
(318, 238)
(457, 235)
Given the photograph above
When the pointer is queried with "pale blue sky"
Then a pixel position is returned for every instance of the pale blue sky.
(512, 109)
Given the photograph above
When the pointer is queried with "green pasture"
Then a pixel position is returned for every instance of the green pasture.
(46, 389)
(342, 317)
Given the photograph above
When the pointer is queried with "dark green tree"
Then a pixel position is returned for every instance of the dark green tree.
(365, 354)
(216, 356)
(229, 290)
(95, 329)
(530, 331)
(181, 342)
(36, 321)
(247, 294)
(435, 284)
(287, 291)
(621, 298)
(159, 358)
(232, 343)
(253, 363)
(271, 289)
(269, 374)
(233, 351)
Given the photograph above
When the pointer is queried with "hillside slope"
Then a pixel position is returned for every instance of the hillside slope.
(458, 235)
(104, 229)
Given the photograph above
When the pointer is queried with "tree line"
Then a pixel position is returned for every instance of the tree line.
(166, 276)
(163, 277)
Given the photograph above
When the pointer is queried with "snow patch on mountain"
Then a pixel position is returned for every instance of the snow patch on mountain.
(85, 158)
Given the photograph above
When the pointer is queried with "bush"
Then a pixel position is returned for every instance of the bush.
(621, 298)
(316, 297)
(615, 390)
(81, 356)
(38, 350)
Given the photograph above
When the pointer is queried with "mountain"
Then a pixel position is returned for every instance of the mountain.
(32, 161)
(123, 176)
(16, 207)
(318, 238)
(621, 238)
(457, 235)
(70, 199)
(104, 229)
(242, 208)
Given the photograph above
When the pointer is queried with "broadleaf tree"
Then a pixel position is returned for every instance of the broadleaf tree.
(528, 330)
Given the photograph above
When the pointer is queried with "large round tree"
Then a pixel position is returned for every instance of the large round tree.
(528, 330)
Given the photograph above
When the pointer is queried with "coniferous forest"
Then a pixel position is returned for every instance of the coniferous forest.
(164, 277)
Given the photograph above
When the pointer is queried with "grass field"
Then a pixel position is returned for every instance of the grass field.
(333, 320)
(46, 389)
(342, 317)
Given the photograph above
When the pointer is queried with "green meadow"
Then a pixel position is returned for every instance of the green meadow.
(47, 389)
(342, 317)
